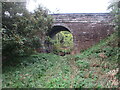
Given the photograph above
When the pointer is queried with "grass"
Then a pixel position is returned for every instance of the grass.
(85, 70)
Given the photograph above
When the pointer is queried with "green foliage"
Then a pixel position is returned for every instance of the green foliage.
(115, 10)
(85, 70)
(108, 46)
(52, 71)
(22, 31)
(63, 42)
(26, 71)
(10, 12)
(64, 38)
(82, 64)
(93, 64)
(58, 82)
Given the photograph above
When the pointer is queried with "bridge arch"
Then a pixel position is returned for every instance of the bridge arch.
(57, 28)
(87, 28)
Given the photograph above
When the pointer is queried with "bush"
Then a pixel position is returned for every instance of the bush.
(63, 42)
(22, 31)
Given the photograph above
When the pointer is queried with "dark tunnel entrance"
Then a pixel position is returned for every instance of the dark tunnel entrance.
(62, 40)
(57, 29)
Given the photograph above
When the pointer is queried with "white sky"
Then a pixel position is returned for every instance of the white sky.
(71, 6)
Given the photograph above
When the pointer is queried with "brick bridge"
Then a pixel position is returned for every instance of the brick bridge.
(87, 28)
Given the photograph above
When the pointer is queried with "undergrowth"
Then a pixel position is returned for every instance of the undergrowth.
(85, 70)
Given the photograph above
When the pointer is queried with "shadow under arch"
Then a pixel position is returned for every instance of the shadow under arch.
(56, 29)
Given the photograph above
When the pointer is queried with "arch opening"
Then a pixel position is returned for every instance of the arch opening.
(57, 29)
(62, 39)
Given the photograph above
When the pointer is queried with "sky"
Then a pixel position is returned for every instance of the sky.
(71, 6)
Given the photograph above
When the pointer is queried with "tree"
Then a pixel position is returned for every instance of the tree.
(115, 10)
(22, 31)
(10, 11)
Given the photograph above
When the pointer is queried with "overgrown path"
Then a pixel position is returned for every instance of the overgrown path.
(74, 70)
(64, 72)
(88, 69)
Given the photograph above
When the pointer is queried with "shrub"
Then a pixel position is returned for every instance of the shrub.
(22, 31)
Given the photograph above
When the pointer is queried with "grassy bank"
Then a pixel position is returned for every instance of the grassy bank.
(93, 68)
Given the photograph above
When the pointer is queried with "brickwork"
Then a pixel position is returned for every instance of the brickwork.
(87, 28)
